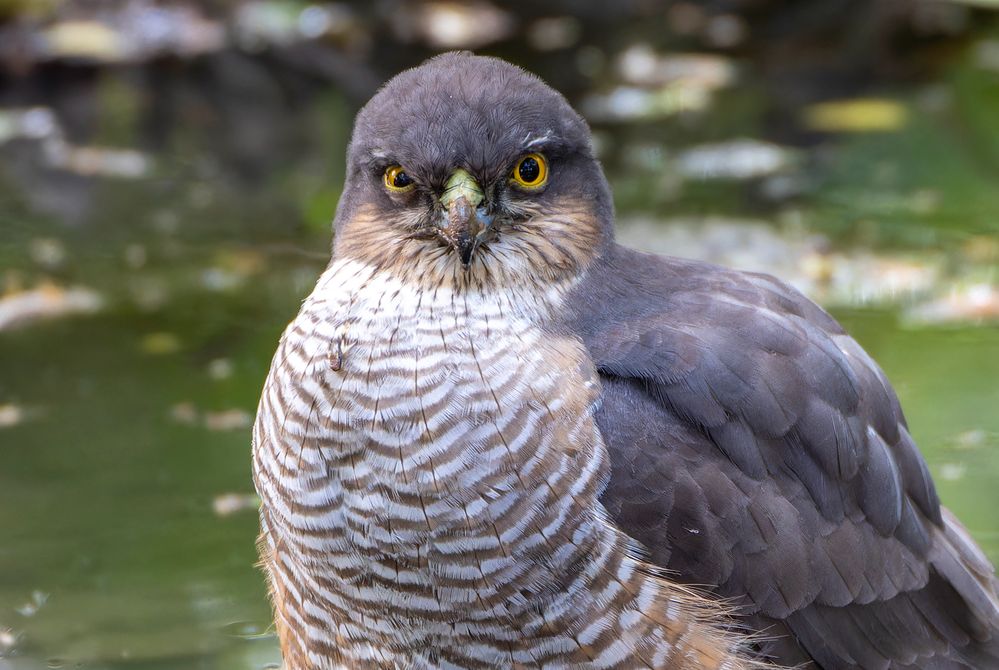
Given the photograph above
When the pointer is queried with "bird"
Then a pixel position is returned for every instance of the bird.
(495, 438)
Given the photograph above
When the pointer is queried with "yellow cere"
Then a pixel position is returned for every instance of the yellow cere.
(531, 172)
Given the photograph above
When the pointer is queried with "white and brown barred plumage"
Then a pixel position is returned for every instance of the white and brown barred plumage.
(510, 452)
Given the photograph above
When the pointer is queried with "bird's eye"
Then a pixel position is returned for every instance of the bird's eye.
(397, 180)
(531, 172)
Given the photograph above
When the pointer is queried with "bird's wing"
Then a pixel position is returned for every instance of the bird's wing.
(758, 450)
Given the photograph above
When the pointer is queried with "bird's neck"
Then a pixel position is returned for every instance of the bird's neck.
(432, 480)
(432, 289)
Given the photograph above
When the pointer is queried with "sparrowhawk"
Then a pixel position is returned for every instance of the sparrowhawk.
(494, 438)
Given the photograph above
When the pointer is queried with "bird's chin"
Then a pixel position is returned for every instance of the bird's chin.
(468, 251)
(465, 229)
(441, 264)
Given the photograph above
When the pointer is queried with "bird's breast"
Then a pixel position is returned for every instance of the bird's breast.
(405, 438)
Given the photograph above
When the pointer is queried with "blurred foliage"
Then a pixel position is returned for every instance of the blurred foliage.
(27, 8)
(934, 178)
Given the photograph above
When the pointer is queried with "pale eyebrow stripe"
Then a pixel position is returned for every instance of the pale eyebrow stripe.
(531, 143)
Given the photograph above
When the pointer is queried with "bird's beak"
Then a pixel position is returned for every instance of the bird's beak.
(464, 222)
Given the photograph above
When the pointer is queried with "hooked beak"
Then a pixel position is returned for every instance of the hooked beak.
(464, 222)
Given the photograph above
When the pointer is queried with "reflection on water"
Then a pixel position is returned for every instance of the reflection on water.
(125, 493)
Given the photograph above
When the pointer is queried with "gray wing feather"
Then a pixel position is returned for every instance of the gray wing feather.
(757, 449)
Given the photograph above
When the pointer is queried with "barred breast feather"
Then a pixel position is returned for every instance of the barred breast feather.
(429, 468)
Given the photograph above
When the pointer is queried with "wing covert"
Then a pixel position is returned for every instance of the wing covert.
(757, 449)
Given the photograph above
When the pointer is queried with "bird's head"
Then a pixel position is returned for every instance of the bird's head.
(467, 171)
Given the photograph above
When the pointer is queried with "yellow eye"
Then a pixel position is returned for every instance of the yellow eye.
(531, 172)
(397, 180)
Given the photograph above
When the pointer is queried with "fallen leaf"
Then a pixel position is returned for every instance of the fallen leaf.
(159, 344)
(736, 159)
(856, 116)
(98, 161)
(642, 66)
(230, 419)
(228, 504)
(971, 303)
(952, 472)
(89, 40)
(971, 439)
(455, 25)
(220, 368)
(185, 413)
(11, 415)
(47, 301)
(30, 608)
(8, 639)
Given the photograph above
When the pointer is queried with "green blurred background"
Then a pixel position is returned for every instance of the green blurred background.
(169, 170)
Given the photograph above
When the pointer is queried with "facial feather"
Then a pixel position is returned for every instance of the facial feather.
(548, 243)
